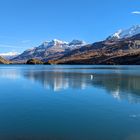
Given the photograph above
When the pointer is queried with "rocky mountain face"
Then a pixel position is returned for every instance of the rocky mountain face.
(49, 50)
(122, 48)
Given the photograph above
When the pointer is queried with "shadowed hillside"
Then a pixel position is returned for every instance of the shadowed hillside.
(4, 61)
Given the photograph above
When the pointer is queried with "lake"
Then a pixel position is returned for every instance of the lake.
(39, 102)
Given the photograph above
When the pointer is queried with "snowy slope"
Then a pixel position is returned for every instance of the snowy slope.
(121, 34)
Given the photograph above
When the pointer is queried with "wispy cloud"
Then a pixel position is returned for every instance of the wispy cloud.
(8, 46)
(136, 12)
(25, 41)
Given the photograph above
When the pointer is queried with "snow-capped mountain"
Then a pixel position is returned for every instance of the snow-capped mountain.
(122, 34)
(49, 49)
(9, 55)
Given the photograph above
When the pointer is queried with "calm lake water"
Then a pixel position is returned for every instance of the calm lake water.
(69, 102)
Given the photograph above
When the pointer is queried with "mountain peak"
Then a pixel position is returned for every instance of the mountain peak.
(58, 41)
(121, 34)
(77, 42)
(54, 42)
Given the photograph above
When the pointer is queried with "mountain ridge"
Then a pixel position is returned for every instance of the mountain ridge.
(122, 44)
(105, 52)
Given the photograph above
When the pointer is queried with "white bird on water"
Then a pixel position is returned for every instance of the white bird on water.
(91, 77)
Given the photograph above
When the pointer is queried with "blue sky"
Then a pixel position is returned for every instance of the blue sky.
(27, 23)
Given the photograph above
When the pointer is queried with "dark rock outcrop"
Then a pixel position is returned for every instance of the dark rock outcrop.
(34, 61)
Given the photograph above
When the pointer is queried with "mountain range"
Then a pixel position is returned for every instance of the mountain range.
(122, 47)
(49, 50)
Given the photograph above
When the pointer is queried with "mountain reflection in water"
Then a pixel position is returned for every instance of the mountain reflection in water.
(117, 81)
(120, 86)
